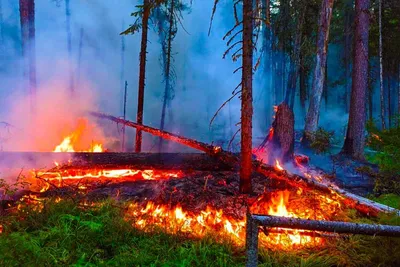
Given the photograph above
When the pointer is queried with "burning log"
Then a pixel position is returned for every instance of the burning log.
(280, 139)
(363, 205)
(113, 160)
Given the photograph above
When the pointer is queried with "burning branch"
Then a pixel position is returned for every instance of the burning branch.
(363, 205)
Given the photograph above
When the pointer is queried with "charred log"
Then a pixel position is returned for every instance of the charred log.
(114, 160)
(280, 139)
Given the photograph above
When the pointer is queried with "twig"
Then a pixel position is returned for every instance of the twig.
(223, 104)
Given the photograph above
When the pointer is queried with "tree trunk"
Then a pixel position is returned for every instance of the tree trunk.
(347, 50)
(325, 91)
(398, 98)
(247, 99)
(124, 115)
(279, 142)
(122, 72)
(142, 73)
(319, 73)
(27, 18)
(355, 140)
(268, 11)
(303, 83)
(69, 45)
(294, 66)
(381, 68)
(389, 88)
(370, 95)
(167, 71)
(78, 80)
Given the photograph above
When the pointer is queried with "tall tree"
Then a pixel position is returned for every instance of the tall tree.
(348, 23)
(69, 44)
(320, 68)
(27, 18)
(381, 68)
(295, 64)
(247, 99)
(142, 22)
(122, 72)
(167, 66)
(355, 139)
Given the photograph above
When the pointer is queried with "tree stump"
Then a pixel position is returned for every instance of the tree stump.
(280, 141)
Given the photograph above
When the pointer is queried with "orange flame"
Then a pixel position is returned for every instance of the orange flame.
(68, 143)
(209, 219)
(278, 165)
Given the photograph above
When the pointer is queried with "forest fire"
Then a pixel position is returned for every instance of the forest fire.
(41, 181)
(174, 218)
(70, 142)
(198, 224)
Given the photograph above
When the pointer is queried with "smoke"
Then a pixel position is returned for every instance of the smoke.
(204, 79)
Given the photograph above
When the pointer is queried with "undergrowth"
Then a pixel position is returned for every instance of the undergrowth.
(65, 234)
(386, 146)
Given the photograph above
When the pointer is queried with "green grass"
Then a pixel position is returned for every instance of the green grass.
(391, 200)
(65, 235)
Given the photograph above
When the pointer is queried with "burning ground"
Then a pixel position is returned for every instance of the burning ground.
(188, 196)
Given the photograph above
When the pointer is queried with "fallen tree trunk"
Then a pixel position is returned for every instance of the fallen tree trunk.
(269, 222)
(327, 226)
(361, 204)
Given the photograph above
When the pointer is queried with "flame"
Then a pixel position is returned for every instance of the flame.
(198, 224)
(377, 137)
(68, 143)
(278, 165)
(61, 177)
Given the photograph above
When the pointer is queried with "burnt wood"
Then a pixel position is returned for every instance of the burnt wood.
(166, 161)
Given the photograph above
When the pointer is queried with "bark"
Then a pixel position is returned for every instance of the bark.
(325, 91)
(247, 99)
(142, 73)
(303, 83)
(319, 72)
(398, 98)
(268, 12)
(69, 45)
(381, 68)
(27, 18)
(347, 50)
(370, 95)
(363, 205)
(124, 114)
(280, 140)
(117, 160)
(327, 226)
(389, 90)
(167, 71)
(355, 139)
(295, 64)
